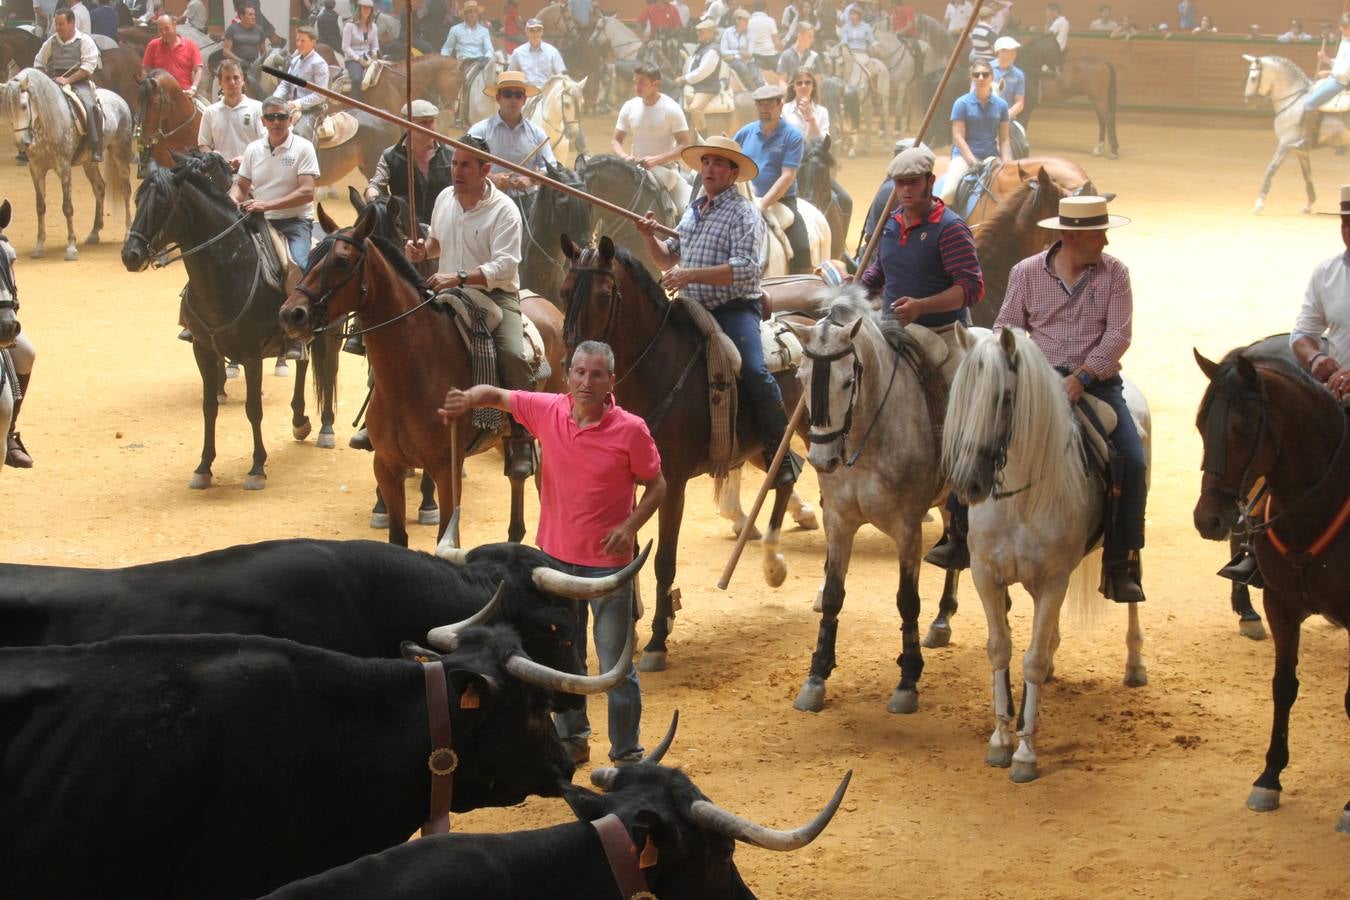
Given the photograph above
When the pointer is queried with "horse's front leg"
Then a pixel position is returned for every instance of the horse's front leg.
(999, 649)
(300, 424)
(208, 365)
(839, 536)
(1136, 673)
(100, 188)
(256, 479)
(905, 698)
(1036, 665)
(1275, 162)
(324, 351)
(1284, 628)
(39, 176)
(775, 566)
(389, 478)
(663, 619)
(1305, 166)
(68, 209)
(727, 493)
(515, 532)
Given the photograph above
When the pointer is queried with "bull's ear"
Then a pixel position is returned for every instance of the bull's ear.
(474, 689)
(409, 650)
(586, 804)
(647, 831)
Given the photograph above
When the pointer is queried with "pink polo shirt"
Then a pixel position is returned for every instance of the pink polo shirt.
(589, 474)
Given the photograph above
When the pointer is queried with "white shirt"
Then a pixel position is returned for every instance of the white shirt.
(701, 65)
(1060, 29)
(486, 237)
(793, 117)
(683, 9)
(195, 15)
(275, 173)
(652, 128)
(733, 43)
(229, 130)
(958, 14)
(538, 65)
(81, 13)
(761, 30)
(1326, 308)
(1340, 66)
(90, 58)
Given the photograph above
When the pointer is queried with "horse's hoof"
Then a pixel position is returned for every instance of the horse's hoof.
(939, 635)
(1307, 210)
(39, 253)
(72, 253)
(903, 702)
(1096, 151)
(1136, 676)
(301, 431)
(1258, 208)
(1343, 826)
(998, 757)
(222, 398)
(754, 532)
(1263, 800)
(255, 482)
(430, 516)
(1252, 628)
(775, 570)
(652, 661)
(808, 520)
(811, 698)
(92, 240)
(379, 520)
(1023, 772)
(326, 440)
(200, 481)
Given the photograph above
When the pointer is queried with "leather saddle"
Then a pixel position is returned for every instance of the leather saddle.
(279, 271)
(1337, 105)
(974, 185)
(459, 302)
(77, 108)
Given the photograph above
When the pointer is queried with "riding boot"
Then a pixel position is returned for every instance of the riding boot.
(952, 552)
(354, 344)
(1121, 575)
(360, 440)
(95, 133)
(16, 454)
(1243, 568)
(519, 452)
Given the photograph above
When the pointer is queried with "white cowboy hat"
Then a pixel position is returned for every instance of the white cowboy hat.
(1345, 203)
(1007, 42)
(1083, 214)
(421, 109)
(511, 79)
(725, 147)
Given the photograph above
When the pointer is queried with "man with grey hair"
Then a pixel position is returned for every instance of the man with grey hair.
(597, 453)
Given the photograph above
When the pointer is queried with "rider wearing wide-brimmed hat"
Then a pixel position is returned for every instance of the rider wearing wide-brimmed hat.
(715, 261)
(511, 136)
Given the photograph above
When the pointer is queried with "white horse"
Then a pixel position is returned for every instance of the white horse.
(1014, 452)
(875, 448)
(557, 110)
(868, 76)
(905, 72)
(44, 126)
(1285, 85)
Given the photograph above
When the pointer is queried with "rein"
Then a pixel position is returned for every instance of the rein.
(319, 302)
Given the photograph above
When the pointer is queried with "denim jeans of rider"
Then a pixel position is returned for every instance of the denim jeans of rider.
(298, 233)
(740, 320)
(613, 616)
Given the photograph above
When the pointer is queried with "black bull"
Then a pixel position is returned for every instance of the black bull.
(357, 597)
(224, 766)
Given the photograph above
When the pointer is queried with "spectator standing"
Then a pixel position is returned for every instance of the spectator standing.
(244, 42)
(1186, 15)
(1104, 21)
(1126, 29)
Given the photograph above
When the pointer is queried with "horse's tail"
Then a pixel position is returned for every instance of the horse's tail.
(1087, 607)
(117, 158)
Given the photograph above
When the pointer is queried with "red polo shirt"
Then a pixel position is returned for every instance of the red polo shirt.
(178, 60)
(588, 475)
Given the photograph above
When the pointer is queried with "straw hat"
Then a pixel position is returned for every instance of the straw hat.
(725, 147)
(706, 25)
(421, 109)
(1083, 214)
(1345, 203)
(912, 161)
(511, 79)
(1007, 42)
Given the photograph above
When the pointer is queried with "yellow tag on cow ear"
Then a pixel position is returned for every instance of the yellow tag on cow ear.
(469, 699)
(650, 854)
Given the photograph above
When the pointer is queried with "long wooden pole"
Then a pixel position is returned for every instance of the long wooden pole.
(437, 136)
(872, 244)
(414, 231)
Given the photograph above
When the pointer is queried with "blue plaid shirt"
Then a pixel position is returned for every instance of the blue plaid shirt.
(727, 229)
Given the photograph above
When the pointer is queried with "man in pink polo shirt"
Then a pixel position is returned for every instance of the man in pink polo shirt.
(595, 452)
(174, 54)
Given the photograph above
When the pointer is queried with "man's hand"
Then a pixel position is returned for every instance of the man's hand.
(455, 404)
(500, 180)
(1325, 368)
(907, 309)
(620, 540)
(249, 205)
(443, 281)
(1073, 387)
(760, 204)
(1339, 383)
(190, 92)
(416, 251)
(647, 225)
(61, 80)
(676, 278)
(520, 182)
(236, 163)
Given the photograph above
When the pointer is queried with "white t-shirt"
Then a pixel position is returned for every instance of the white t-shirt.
(761, 30)
(821, 114)
(652, 127)
(1060, 29)
(957, 14)
(275, 173)
(229, 130)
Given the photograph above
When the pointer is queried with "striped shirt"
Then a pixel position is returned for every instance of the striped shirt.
(1085, 325)
(717, 231)
(956, 250)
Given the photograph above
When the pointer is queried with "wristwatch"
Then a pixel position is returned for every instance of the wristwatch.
(463, 277)
(1086, 378)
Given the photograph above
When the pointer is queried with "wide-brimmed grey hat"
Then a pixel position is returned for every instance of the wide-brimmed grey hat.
(912, 161)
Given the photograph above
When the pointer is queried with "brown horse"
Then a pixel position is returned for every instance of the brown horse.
(120, 72)
(1012, 234)
(658, 356)
(435, 78)
(1253, 410)
(1093, 77)
(17, 48)
(167, 120)
(416, 353)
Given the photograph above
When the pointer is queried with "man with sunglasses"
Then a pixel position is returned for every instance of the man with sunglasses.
(980, 130)
(513, 137)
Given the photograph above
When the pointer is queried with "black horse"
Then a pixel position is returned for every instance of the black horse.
(232, 299)
(542, 265)
(624, 184)
(816, 183)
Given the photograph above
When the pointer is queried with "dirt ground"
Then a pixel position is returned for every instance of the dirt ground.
(1142, 789)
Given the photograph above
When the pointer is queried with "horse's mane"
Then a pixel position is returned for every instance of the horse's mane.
(1045, 444)
(1014, 216)
(1290, 68)
(397, 261)
(641, 276)
(45, 100)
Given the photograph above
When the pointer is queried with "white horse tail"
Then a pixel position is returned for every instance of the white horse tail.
(1087, 606)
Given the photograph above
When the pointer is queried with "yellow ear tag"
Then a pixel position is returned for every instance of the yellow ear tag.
(649, 856)
(469, 699)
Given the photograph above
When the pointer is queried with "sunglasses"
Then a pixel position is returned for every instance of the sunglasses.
(276, 117)
(981, 74)
(512, 95)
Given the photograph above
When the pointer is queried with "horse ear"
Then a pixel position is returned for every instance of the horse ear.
(1247, 371)
(1043, 176)
(5, 211)
(606, 249)
(964, 339)
(326, 221)
(803, 332)
(853, 332)
(357, 201)
(1008, 341)
(365, 224)
(1209, 367)
(569, 249)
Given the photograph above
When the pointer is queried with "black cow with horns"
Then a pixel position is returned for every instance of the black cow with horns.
(357, 597)
(226, 766)
(670, 841)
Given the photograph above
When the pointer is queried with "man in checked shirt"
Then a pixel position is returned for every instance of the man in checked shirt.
(715, 261)
(1075, 302)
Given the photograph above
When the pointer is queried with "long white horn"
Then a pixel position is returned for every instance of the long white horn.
(579, 587)
(456, 556)
(531, 672)
(714, 818)
(657, 753)
(446, 637)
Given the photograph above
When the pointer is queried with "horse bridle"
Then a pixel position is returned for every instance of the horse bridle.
(1258, 69)
(162, 257)
(998, 453)
(318, 301)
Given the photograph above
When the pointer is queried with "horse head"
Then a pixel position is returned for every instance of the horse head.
(589, 290)
(333, 284)
(1257, 85)
(832, 374)
(161, 199)
(816, 172)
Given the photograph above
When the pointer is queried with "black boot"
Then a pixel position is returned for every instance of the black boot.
(16, 455)
(519, 452)
(185, 335)
(95, 133)
(1243, 569)
(1122, 575)
(354, 344)
(360, 440)
(951, 552)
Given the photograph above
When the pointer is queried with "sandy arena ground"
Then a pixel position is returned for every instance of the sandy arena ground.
(1142, 789)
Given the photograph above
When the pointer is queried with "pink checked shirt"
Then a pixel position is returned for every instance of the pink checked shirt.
(1087, 324)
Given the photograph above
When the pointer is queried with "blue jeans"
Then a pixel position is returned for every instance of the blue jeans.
(1321, 93)
(298, 233)
(613, 620)
(1129, 522)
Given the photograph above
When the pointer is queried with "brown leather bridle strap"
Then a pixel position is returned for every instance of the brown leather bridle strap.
(442, 761)
(623, 858)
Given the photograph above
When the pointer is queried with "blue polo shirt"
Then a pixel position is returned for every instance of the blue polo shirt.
(1014, 82)
(782, 149)
(982, 121)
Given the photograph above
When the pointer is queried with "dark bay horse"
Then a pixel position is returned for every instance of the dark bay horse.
(120, 72)
(231, 305)
(658, 356)
(17, 49)
(542, 265)
(816, 184)
(1253, 412)
(167, 121)
(1093, 77)
(624, 184)
(417, 354)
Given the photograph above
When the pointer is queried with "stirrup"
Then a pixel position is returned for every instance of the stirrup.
(1122, 576)
(16, 455)
(1243, 568)
(519, 456)
(950, 553)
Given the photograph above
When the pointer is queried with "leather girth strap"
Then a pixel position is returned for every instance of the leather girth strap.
(442, 761)
(623, 858)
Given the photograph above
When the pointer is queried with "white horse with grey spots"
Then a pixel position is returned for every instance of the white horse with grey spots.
(1015, 454)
